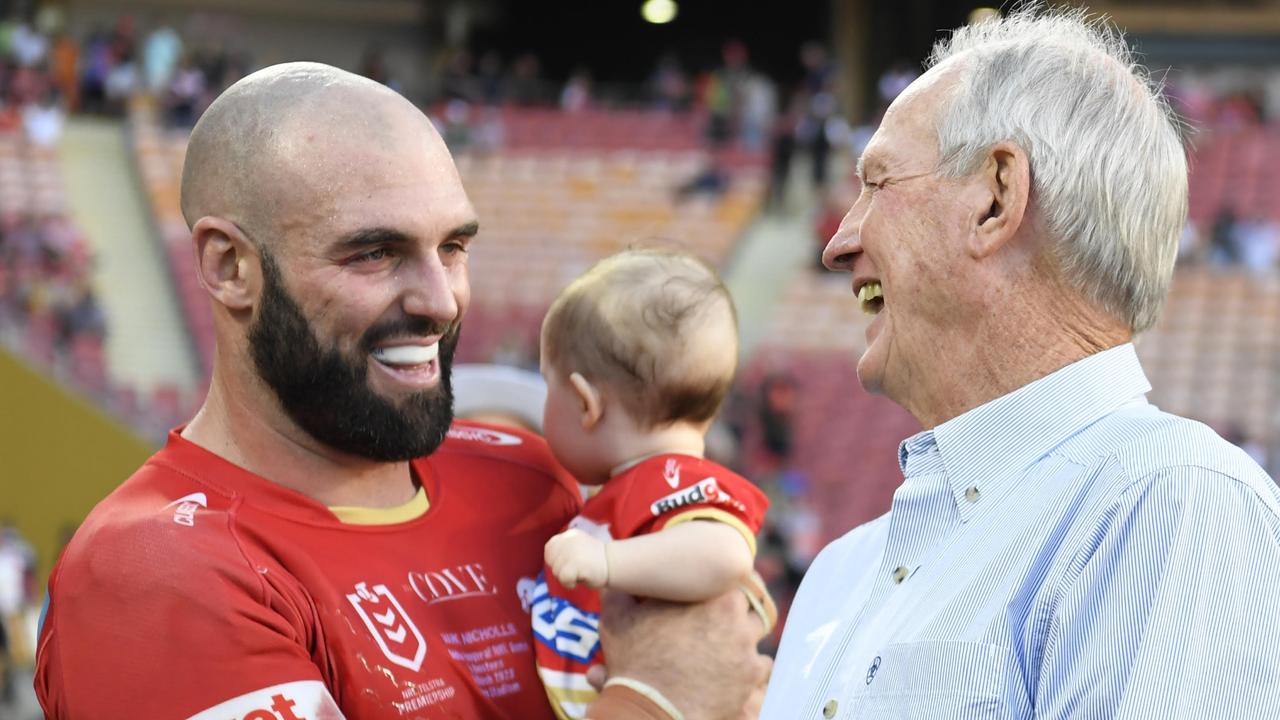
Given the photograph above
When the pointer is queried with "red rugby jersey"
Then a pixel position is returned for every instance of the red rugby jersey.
(198, 589)
(661, 491)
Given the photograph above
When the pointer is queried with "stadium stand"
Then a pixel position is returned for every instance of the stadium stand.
(47, 307)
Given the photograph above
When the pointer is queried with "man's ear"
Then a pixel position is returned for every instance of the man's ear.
(592, 402)
(1002, 193)
(227, 262)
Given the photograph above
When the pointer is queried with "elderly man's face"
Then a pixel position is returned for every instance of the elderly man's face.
(901, 242)
(363, 293)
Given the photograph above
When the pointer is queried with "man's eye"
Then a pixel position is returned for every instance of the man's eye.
(373, 255)
(453, 248)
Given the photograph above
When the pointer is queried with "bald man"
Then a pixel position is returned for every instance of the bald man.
(319, 541)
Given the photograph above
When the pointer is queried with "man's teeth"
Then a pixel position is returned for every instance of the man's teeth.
(407, 354)
(871, 297)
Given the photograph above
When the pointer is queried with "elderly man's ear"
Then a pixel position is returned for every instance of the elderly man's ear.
(227, 262)
(999, 193)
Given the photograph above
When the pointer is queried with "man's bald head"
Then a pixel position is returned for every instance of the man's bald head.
(276, 141)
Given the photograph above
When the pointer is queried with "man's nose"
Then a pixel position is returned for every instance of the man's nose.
(430, 289)
(843, 247)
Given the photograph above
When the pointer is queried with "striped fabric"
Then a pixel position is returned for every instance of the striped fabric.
(1065, 551)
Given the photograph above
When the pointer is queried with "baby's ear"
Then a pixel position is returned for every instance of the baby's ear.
(590, 399)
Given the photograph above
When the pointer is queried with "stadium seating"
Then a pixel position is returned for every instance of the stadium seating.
(547, 215)
(1237, 169)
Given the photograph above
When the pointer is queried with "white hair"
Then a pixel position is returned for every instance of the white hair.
(1108, 169)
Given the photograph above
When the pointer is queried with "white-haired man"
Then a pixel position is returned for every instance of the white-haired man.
(1060, 548)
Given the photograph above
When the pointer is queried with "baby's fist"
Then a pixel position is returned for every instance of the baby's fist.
(575, 557)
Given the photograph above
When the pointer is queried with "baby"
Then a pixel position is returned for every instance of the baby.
(638, 355)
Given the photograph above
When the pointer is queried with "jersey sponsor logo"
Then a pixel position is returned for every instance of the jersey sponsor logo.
(671, 473)
(455, 583)
(568, 630)
(302, 700)
(706, 491)
(390, 625)
(185, 514)
(483, 435)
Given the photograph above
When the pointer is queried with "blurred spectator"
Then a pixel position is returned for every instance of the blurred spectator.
(819, 72)
(835, 203)
(455, 124)
(1190, 243)
(576, 95)
(488, 135)
(777, 407)
(17, 583)
(711, 180)
(724, 92)
(759, 106)
(456, 81)
(1222, 239)
(814, 132)
(186, 94)
(43, 121)
(161, 52)
(64, 61)
(526, 86)
(93, 77)
(373, 65)
(1257, 240)
(894, 80)
(123, 80)
(489, 78)
(669, 85)
(28, 46)
(783, 150)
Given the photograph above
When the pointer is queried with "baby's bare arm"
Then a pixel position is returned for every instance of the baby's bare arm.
(689, 562)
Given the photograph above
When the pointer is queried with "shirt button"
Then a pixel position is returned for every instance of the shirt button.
(829, 710)
(900, 574)
(972, 494)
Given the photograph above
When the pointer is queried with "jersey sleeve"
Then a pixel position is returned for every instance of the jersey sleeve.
(676, 490)
(147, 621)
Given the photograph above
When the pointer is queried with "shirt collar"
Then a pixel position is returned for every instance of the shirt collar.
(991, 445)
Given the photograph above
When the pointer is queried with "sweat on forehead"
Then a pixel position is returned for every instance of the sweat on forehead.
(276, 127)
(656, 326)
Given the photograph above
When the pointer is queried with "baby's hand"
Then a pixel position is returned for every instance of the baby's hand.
(575, 556)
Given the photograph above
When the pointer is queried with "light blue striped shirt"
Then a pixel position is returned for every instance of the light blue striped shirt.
(1065, 551)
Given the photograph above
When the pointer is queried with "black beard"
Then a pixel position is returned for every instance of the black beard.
(327, 393)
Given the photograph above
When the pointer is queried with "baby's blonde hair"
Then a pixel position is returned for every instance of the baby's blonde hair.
(657, 327)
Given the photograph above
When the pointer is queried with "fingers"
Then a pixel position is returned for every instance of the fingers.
(597, 675)
(761, 604)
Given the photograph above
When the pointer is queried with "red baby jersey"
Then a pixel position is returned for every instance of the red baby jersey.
(659, 492)
(200, 590)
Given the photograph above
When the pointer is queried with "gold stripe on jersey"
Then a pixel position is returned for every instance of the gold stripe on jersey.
(717, 515)
(415, 508)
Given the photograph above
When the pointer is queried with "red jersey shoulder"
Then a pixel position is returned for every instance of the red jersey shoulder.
(668, 485)
(158, 560)
(469, 441)
(161, 523)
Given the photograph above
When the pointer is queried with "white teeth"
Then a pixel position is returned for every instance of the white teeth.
(869, 293)
(407, 354)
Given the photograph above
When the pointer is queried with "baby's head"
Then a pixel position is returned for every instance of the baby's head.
(645, 340)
